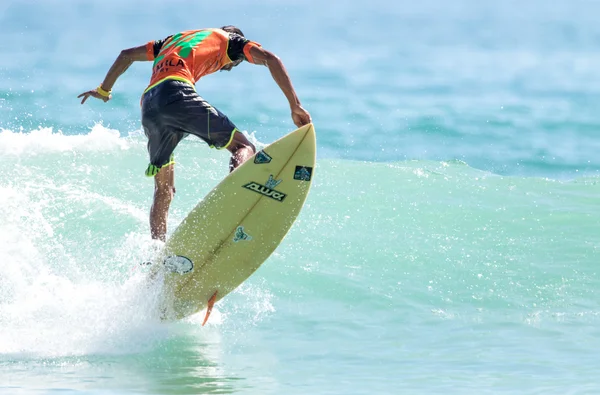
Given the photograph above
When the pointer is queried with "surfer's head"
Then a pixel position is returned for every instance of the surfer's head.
(234, 30)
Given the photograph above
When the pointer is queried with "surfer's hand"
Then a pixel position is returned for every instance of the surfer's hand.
(300, 116)
(93, 93)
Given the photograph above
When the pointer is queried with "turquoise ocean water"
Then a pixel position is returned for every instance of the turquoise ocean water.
(450, 243)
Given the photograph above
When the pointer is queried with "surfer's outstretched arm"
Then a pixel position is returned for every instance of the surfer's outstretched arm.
(263, 57)
(121, 64)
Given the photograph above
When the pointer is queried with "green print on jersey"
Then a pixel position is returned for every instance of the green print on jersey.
(184, 44)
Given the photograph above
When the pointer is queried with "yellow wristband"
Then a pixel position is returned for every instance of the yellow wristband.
(102, 92)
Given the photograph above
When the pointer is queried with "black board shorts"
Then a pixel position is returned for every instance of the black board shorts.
(171, 111)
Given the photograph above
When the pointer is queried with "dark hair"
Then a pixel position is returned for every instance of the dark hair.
(232, 29)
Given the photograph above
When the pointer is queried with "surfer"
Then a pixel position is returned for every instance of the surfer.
(171, 108)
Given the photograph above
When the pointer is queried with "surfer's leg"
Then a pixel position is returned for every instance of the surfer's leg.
(163, 135)
(161, 144)
(163, 194)
(162, 168)
(241, 150)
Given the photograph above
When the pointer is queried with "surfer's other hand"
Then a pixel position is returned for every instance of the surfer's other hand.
(300, 116)
(93, 93)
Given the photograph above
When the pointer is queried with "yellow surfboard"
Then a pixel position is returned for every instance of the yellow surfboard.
(237, 226)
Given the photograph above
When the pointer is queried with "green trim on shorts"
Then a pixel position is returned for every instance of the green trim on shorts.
(152, 170)
(230, 139)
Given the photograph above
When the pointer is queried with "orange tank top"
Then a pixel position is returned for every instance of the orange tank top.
(188, 56)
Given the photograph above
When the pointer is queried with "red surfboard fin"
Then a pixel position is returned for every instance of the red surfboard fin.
(211, 303)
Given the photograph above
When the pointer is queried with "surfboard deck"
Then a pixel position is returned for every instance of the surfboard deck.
(236, 226)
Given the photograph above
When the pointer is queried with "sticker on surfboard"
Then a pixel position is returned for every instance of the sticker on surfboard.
(240, 235)
(178, 264)
(303, 173)
(272, 183)
(268, 189)
(261, 158)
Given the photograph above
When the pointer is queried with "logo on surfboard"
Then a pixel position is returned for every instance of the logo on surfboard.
(303, 173)
(272, 183)
(261, 158)
(267, 190)
(241, 235)
(178, 264)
